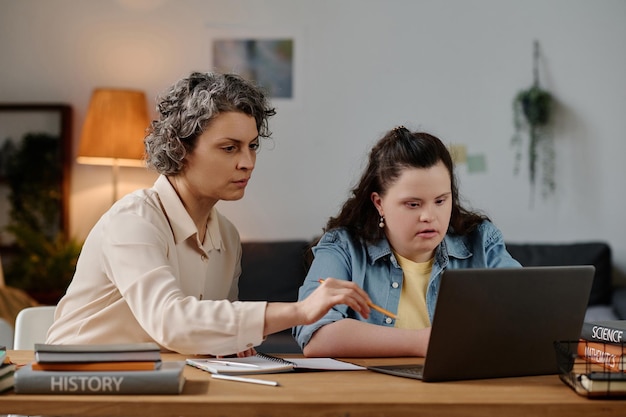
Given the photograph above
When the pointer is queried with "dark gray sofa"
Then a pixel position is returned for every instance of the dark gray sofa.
(274, 271)
(605, 302)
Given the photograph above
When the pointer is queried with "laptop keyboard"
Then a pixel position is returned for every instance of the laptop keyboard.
(411, 371)
(406, 371)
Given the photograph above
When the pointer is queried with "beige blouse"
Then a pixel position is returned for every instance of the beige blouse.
(143, 275)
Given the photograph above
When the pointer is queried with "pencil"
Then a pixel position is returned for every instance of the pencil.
(242, 379)
(374, 306)
(233, 363)
(382, 310)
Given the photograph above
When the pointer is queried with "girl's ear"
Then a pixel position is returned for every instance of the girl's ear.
(376, 199)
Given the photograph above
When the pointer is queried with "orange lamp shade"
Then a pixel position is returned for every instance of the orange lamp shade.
(114, 129)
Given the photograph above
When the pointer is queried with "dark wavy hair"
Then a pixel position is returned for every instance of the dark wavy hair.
(190, 105)
(398, 150)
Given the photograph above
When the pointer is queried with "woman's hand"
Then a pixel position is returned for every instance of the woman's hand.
(245, 353)
(330, 293)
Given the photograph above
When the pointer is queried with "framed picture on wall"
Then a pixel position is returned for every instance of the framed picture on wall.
(270, 57)
(269, 62)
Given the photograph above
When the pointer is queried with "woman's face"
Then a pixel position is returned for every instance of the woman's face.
(417, 210)
(221, 164)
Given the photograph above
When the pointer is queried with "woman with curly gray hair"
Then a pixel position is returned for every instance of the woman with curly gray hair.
(162, 265)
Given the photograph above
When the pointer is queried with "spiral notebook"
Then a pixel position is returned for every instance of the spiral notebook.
(267, 364)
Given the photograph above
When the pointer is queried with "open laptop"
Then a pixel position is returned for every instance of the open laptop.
(502, 322)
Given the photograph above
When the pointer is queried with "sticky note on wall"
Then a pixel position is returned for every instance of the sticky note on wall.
(458, 153)
(476, 163)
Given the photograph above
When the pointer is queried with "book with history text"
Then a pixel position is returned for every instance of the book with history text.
(168, 379)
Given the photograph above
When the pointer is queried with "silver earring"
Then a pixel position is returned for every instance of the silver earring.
(381, 224)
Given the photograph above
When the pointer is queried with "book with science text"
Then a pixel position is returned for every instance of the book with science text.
(607, 331)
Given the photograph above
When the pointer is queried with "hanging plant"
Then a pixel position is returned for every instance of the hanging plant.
(532, 115)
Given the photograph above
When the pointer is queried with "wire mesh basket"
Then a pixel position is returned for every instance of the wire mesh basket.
(592, 369)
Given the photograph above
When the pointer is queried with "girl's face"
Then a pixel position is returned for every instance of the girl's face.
(221, 164)
(417, 210)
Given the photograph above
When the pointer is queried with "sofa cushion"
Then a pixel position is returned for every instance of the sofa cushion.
(597, 254)
(272, 271)
(619, 302)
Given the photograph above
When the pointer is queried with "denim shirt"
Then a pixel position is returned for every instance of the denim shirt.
(375, 269)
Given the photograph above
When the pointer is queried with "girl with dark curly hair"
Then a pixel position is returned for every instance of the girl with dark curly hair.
(401, 227)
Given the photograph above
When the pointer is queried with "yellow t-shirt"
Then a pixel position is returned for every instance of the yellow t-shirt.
(412, 311)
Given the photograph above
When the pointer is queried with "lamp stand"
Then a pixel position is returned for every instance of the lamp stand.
(116, 173)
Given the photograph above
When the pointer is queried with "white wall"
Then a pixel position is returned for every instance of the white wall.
(451, 67)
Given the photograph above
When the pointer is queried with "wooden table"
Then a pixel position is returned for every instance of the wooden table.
(353, 393)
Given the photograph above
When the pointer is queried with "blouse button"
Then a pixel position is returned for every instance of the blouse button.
(388, 320)
(204, 258)
(395, 285)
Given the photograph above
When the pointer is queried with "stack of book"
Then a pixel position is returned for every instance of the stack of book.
(7, 370)
(603, 344)
(99, 369)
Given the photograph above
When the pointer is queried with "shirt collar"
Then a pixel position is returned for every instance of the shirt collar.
(213, 239)
(179, 219)
(452, 245)
(378, 249)
(456, 247)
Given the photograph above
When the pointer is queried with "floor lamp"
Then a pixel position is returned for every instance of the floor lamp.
(114, 130)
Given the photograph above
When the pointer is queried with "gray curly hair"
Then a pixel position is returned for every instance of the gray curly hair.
(188, 107)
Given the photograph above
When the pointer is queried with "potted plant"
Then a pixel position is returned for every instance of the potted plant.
(532, 115)
(43, 258)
